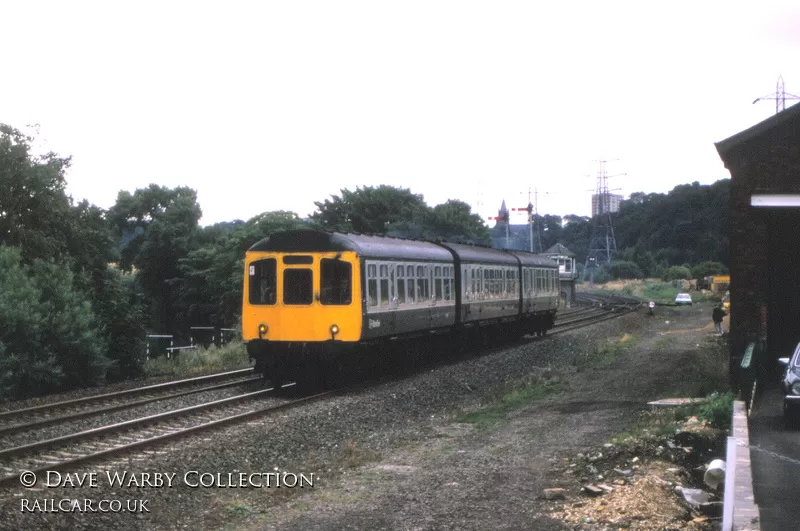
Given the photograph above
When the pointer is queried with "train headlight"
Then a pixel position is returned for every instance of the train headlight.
(334, 330)
(262, 330)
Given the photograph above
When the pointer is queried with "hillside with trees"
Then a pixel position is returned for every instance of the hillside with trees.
(80, 286)
(654, 232)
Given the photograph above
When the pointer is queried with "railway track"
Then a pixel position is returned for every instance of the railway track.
(66, 451)
(90, 445)
(597, 308)
(20, 420)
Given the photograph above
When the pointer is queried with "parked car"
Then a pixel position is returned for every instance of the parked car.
(683, 298)
(791, 387)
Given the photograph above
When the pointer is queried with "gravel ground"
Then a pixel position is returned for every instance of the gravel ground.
(394, 456)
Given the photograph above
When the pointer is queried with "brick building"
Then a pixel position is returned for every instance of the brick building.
(764, 162)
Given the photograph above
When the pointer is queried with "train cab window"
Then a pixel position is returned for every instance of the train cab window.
(336, 278)
(298, 286)
(263, 281)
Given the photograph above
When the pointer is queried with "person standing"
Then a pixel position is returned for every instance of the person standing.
(717, 316)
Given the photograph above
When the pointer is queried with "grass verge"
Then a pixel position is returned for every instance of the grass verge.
(604, 356)
(190, 363)
(515, 397)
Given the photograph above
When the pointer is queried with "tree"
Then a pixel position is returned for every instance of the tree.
(709, 268)
(451, 221)
(90, 246)
(676, 273)
(622, 269)
(121, 311)
(159, 226)
(369, 210)
(454, 221)
(33, 203)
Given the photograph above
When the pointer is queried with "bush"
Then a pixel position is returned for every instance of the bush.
(122, 315)
(707, 269)
(49, 339)
(676, 273)
(623, 269)
(717, 410)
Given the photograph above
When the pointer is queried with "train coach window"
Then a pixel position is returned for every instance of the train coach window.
(509, 283)
(386, 295)
(335, 282)
(298, 286)
(423, 284)
(372, 285)
(262, 281)
(401, 284)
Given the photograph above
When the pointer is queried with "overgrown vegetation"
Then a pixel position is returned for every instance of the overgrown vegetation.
(516, 396)
(717, 410)
(190, 363)
(604, 356)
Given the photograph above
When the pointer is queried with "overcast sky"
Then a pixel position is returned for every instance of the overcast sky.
(267, 105)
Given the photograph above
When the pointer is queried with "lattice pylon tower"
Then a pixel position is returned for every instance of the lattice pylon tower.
(602, 243)
(780, 96)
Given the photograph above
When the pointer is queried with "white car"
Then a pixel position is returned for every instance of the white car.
(683, 298)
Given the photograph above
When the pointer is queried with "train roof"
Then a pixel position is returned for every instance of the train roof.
(472, 253)
(310, 241)
(299, 241)
(533, 259)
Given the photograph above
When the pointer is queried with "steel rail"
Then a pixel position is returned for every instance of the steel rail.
(125, 425)
(13, 478)
(17, 428)
(136, 390)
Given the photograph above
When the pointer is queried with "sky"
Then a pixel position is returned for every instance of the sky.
(266, 105)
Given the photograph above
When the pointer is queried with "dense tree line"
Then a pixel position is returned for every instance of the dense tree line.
(80, 287)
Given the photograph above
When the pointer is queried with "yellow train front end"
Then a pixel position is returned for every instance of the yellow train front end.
(298, 308)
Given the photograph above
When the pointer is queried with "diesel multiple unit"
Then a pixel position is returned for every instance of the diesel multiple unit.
(310, 294)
